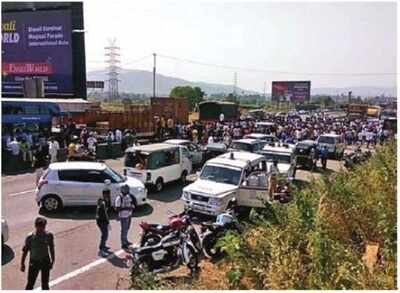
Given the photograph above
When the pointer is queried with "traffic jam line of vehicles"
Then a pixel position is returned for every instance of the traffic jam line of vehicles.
(232, 180)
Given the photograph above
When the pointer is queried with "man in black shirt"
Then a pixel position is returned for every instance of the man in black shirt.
(40, 245)
(103, 221)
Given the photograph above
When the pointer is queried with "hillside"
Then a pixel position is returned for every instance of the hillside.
(141, 82)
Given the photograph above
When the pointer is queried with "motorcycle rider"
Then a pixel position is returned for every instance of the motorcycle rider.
(124, 206)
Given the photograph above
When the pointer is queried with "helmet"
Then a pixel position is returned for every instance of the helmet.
(125, 189)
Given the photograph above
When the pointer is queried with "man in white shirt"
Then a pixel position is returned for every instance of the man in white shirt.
(221, 117)
(124, 206)
(91, 141)
(118, 135)
(54, 147)
(14, 147)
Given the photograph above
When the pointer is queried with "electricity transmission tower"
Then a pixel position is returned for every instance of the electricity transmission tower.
(112, 59)
(234, 85)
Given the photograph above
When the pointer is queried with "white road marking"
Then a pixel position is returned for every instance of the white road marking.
(22, 192)
(82, 269)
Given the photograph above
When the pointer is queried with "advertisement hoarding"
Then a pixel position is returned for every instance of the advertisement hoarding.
(291, 91)
(37, 44)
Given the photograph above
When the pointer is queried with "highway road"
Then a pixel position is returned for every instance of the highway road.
(77, 264)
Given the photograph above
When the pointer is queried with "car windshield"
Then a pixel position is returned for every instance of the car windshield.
(326, 139)
(241, 146)
(221, 174)
(281, 158)
(114, 175)
(134, 158)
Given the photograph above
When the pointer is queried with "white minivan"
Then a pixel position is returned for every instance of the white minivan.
(157, 164)
(81, 184)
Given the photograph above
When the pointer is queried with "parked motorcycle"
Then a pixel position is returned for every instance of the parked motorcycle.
(352, 159)
(153, 233)
(212, 232)
(174, 250)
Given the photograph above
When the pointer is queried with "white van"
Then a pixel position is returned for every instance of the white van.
(220, 179)
(157, 164)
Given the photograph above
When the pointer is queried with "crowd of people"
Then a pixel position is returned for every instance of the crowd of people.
(290, 129)
(37, 147)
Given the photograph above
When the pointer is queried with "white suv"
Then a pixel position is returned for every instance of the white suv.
(82, 184)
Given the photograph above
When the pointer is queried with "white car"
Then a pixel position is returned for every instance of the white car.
(219, 181)
(81, 184)
(157, 164)
(4, 231)
(196, 153)
(284, 155)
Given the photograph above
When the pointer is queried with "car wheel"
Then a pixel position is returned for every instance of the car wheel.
(159, 184)
(51, 203)
(183, 177)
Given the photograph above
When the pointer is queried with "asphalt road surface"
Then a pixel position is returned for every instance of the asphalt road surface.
(77, 265)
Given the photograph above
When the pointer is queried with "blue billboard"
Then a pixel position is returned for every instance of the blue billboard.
(37, 44)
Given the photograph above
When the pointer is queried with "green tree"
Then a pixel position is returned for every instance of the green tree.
(193, 94)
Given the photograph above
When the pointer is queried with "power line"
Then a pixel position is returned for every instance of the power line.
(270, 71)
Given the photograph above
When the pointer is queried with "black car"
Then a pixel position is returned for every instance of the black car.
(305, 152)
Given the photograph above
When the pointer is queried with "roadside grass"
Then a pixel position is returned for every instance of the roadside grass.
(318, 241)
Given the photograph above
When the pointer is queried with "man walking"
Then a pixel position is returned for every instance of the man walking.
(40, 245)
(54, 147)
(124, 206)
(103, 220)
(324, 157)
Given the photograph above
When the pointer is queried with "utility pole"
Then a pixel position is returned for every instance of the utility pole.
(154, 75)
(265, 88)
(113, 55)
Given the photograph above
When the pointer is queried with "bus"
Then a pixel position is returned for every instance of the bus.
(33, 115)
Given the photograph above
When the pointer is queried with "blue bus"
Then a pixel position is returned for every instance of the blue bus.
(31, 115)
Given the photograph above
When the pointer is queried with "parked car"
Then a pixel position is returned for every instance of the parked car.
(305, 151)
(157, 164)
(219, 181)
(4, 231)
(266, 127)
(247, 145)
(334, 144)
(195, 151)
(284, 155)
(268, 138)
(214, 149)
(81, 184)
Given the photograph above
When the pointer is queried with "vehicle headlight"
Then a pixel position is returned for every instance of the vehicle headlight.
(215, 201)
(185, 195)
(140, 189)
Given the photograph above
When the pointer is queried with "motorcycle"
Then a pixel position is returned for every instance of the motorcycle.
(153, 233)
(355, 158)
(173, 250)
(212, 232)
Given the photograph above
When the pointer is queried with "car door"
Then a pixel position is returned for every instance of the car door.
(197, 155)
(252, 196)
(95, 180)
(72, 186)
(171, 169)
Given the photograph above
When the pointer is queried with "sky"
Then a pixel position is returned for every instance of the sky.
(329, 43)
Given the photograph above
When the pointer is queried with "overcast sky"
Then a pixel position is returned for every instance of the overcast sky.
(297, 37)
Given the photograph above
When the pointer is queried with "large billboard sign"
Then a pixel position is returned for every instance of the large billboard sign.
(37, 44)
(291, 91)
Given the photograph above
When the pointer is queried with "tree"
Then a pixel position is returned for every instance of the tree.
(193, 94)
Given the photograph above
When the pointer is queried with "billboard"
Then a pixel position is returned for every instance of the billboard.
(291, 91)
(37, 44)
